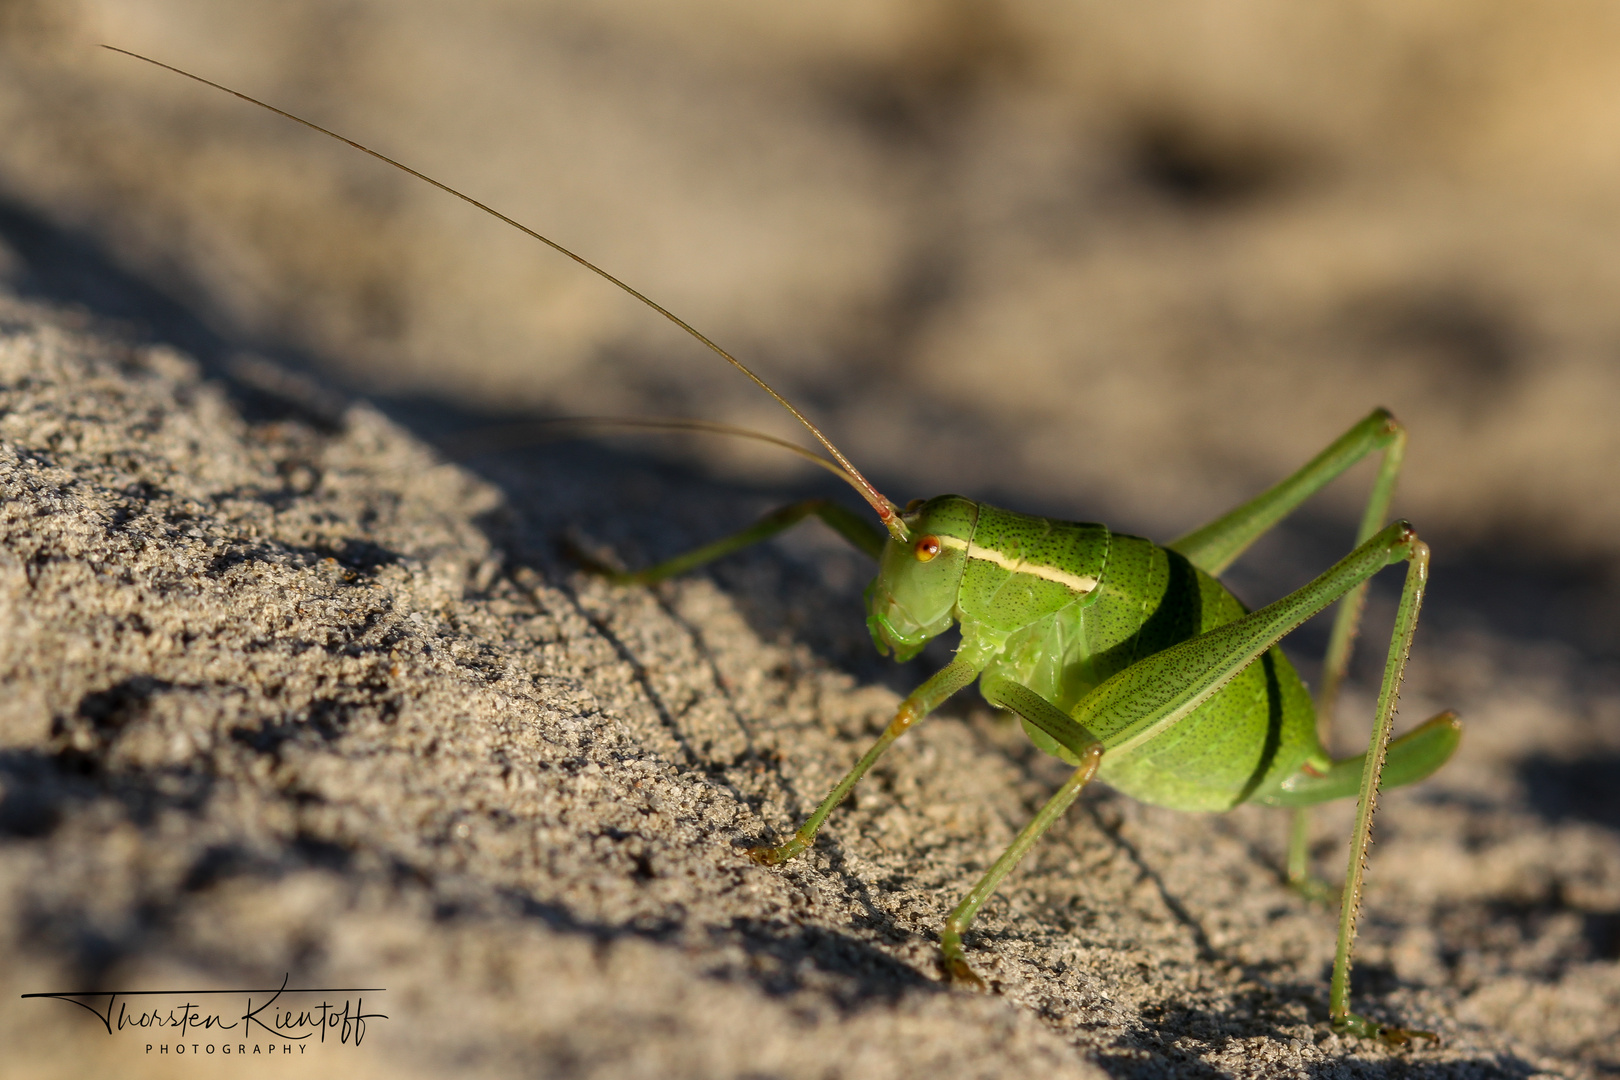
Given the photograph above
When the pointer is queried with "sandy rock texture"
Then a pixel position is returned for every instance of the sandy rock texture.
(298, 679)
(277, 703)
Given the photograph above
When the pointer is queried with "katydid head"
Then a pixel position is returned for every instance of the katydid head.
(913, 598)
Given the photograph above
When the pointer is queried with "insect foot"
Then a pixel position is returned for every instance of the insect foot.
(575, 550)
(1315, 891)
(957, 971)
(766, 855)
(1384, 1033)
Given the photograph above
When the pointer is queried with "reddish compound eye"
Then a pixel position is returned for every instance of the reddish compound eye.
(926, 548)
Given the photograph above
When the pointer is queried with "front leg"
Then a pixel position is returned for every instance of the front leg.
(921, 701)
(1072, 737)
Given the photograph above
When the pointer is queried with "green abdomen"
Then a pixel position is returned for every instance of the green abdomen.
(1259, 727)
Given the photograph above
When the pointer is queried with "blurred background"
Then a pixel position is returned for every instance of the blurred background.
(1122, 263)
(1136, 260)
(1119, 262)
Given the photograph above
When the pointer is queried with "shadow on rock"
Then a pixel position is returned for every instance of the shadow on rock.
(1587, 789)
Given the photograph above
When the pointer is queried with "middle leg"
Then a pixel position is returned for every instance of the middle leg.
(1074, 738)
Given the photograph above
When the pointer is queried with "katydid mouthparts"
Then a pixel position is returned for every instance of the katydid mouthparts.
(1127, 659)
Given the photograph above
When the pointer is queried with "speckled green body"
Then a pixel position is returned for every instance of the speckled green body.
(1059, 607)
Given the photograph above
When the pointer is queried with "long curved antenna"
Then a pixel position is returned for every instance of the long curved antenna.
(887, 512)
(524, 433)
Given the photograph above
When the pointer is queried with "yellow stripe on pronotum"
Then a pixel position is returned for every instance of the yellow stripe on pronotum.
(1080, 583)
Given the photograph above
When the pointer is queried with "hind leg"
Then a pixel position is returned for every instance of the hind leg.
(1214, 547)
